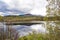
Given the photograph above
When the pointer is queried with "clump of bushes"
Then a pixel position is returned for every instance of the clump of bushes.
(1, 18)
(35, 36)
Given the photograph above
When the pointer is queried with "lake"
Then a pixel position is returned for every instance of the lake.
(25, 29)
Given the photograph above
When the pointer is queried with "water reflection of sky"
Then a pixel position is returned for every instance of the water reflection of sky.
(24, 30)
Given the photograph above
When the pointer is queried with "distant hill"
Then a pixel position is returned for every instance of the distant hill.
(22, 15)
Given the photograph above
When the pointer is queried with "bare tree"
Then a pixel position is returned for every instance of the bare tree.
(53, 8)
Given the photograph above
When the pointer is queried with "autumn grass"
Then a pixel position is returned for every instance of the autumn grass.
(28, 18)
(51, 35)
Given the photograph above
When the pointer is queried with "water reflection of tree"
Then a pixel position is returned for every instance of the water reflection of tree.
(9, 34)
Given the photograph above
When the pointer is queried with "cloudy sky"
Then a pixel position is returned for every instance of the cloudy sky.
(20, 7)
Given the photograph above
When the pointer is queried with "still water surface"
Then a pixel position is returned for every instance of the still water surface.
(24, 29)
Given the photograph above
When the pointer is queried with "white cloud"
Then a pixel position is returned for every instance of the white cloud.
(1, 13)
(39, 11)
(9, 3)
(20, 4)
(40, 7)
(37, 6)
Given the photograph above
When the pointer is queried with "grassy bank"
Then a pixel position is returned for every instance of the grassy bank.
(39, 36)
(28, 18)
(34, 36)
